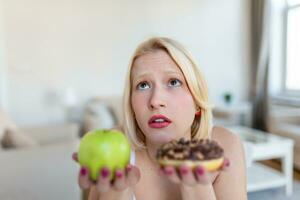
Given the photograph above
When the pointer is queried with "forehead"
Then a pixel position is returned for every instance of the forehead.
(158, 61)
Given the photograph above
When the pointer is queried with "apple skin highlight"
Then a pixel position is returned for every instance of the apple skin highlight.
(104, 148)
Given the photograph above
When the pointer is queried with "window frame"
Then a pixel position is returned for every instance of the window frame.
(284, 89)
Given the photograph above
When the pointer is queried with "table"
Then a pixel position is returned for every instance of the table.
(265, 146)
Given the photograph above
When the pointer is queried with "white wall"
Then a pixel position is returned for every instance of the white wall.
(3, 86)
(52, 45)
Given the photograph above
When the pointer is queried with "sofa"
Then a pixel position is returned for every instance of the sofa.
(40, 167)
(102, 113)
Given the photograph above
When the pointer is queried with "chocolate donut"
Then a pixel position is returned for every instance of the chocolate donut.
(195, 152)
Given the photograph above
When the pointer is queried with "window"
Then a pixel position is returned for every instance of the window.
(292, 67)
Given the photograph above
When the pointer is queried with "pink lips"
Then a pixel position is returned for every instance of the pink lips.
(159, 121)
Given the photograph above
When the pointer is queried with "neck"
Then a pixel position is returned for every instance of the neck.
(152, 148)
(151, 152)
(148, 155)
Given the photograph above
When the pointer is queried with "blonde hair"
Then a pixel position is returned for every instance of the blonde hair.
(202, 125)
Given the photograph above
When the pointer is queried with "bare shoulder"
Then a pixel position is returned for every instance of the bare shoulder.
(230, 142)
(230, 184)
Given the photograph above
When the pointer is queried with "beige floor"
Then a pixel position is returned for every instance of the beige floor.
(277, 165)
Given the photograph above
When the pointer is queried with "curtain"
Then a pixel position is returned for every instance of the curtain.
(260, 16)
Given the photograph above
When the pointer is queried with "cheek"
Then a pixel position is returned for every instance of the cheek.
(138, 104)
(185, 101)
(185, 106)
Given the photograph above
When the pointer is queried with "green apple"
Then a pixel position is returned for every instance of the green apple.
(104, 148)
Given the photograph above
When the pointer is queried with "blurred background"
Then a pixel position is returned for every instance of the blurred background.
(51, 46)
(62, 70)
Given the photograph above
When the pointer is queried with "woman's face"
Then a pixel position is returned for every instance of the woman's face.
(160, 98)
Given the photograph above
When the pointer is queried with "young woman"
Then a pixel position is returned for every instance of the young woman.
(166, 98)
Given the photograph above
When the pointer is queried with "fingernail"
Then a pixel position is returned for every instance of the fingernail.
(129, 168)
(104, 172)
(168, 171)
(83, 171)
(200, 170)
(227, 163)
(74, 156)
(119, 174)
(184, 170)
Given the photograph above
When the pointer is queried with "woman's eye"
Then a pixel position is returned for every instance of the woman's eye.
(175, 83)
(143, 86)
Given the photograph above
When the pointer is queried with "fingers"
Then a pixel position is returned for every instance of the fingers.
(83, 178)
(187, 175)
(103, 183)
(171, 174)
(133, 175)
(122, 179)
(119, 182)
(183, 174)
(203, 176)
(226, 164)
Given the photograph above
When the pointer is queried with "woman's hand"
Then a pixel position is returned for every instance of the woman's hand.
(185, 175)
(123, 178)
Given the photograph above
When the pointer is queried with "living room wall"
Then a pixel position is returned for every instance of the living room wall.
(3, 102)
(86, 46)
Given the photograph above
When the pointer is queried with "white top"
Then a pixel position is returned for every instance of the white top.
(132, 158)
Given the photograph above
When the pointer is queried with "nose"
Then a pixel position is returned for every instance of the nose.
(157, 99)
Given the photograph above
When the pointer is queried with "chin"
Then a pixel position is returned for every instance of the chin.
(161, 136)
(162, 139)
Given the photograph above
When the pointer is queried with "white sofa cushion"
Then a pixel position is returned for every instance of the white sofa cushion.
(46, 173)
(49, 134)
(98, 116)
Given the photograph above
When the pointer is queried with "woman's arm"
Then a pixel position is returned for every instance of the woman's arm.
(104, 189)
(231, 184)
(198, 192)
(227, 183)
(111, 195)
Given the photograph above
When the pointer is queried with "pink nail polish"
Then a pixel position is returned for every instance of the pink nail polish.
(184, 170)
(119, 174)
(129, 168)
(74, 156)
(168, 171)
(200, 170)
(227, 163)
(83, 171)
(104, 172)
